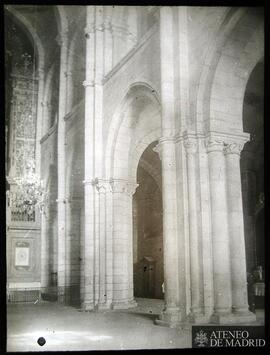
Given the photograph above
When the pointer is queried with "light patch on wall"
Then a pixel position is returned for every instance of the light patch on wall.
(22, 256)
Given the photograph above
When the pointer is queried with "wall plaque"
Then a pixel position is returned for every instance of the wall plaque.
(21, 256)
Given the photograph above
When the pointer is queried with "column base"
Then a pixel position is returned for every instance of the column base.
(233, 317)
(169, 318)
(87, 306)
(104, 306)
(198, 318)
(124, 304)
(61, 295)
(244, 316)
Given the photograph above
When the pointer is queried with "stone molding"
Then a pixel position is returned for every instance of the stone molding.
(167, 139)
(87, 83)
(123, 186)
(92, 83)
(163, 140)
(61, 200)
(113, 185)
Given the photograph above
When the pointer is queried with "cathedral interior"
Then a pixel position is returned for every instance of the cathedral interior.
(134, 173)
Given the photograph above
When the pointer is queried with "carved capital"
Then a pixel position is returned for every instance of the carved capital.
(107, 25)
(103, 185)
(233, 148)
(123, 186)
(87, 83)
(89, 30)
(190, 144)
(92, 28)
(214, 144)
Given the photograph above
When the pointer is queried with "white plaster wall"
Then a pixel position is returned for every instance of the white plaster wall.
(143, 66)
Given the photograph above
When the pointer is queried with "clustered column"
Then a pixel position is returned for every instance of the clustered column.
(229, 259)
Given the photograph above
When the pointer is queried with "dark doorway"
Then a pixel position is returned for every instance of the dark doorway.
(147, 227)
(252, 173)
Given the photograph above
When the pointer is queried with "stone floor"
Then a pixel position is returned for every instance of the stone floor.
(66, 328)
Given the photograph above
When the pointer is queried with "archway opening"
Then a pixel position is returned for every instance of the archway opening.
(252, 173)
(147, 227)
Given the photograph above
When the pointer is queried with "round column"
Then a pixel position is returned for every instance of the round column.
(236, 232)
(88, 269)
(220, 231)
(171, 315)
(122, 244)
(190, 145)
(69, 215)
(61, 210)
(70, 84)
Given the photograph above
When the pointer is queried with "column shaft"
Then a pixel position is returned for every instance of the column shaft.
(220, 232)
(87, 289)
(109, 247)
(108, 56)
(171, 315)
(236, 230)
(167, 71)
(122, 244)
(69, 76)
(191, 148)
(68, 248)
(61, 170)
(44, 265)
